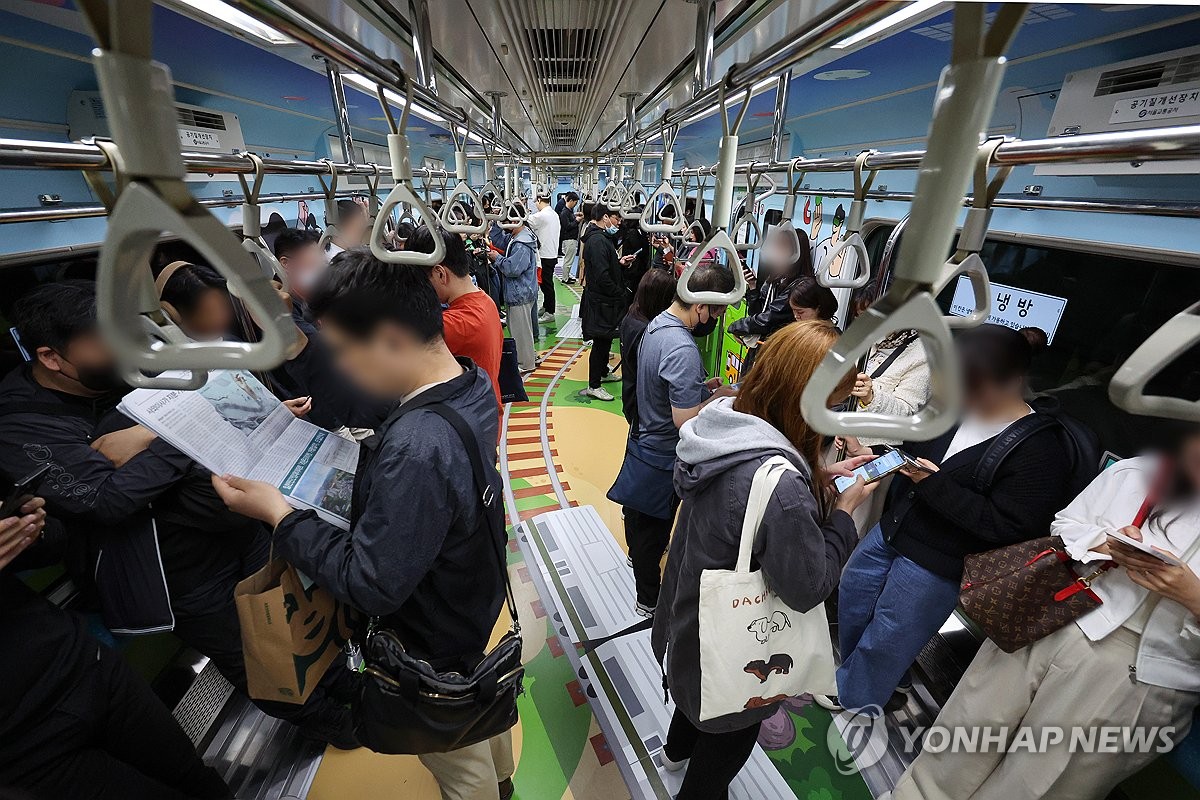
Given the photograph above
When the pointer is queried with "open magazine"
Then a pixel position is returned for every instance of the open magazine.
(234, 425)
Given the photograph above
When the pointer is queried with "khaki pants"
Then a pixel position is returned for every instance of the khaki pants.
(472, 773)
(1065, 680)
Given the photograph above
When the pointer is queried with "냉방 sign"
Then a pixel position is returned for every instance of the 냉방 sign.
(1012, 307)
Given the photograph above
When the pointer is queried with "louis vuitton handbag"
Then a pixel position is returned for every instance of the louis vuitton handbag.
(1021, 593)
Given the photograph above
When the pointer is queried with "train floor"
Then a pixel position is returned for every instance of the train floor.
(561, 451)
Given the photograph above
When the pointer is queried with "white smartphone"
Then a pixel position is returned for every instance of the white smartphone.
(873, 470)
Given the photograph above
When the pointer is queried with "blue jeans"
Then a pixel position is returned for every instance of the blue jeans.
(888, 609)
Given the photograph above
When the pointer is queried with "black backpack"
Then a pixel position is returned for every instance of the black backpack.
(1078, 440)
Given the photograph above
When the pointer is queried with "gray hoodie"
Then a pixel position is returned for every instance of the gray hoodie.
(801, 554)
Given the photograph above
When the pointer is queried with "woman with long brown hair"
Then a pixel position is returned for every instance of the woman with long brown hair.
(801, 544)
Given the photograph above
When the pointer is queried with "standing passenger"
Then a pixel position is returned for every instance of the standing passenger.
(568, 227)
(1131, 664)
(654, 296)
(604, 300)
(518, 265)
(902, 583)
(767, 308)
(350, 227)
(418, 536)
(671, 389)
(800, 545)
(545, 225)
(470, 321)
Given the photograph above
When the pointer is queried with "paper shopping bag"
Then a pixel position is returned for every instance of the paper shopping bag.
(291, 632)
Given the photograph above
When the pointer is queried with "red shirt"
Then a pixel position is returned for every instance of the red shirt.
(472, 329)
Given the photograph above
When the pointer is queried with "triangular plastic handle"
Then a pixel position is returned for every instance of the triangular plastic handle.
(163, 333)
(490, 188)
(126, 301)
(1127, 389)
(402, 193)
(747, 220)
(648, 213)
(718, 241)
(267, 262)
(862, 263)
(630, 202)
(451, 201)
(612, 195)
(907, 306)
(513, 216)
(981, 287)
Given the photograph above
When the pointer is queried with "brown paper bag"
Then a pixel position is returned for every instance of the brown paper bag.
(290, 635)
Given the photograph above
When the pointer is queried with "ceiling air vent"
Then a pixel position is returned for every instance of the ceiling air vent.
(1149, 76)
(564, 59)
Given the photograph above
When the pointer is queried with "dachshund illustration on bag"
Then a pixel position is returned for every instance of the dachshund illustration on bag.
(763, 627)
(781, 663)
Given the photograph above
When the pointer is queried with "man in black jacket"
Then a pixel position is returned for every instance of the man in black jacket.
(418, 552)
(114, 483)
(605, 298)
(568, 232)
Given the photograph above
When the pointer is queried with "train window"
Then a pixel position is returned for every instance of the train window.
(1113, 304)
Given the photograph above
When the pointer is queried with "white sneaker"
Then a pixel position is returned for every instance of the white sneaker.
(545, 316)
(643, 610)
(610, 377)
(669, 765)
(829, 702)
(598, 393)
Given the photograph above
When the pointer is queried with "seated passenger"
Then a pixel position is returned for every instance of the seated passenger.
(767, 307)
(115, 485)
(470, 321)
(299, 253)
(672, 387)
(194, 296)
(902, 583)
(799, 546)
(654, 295)
(76, 720)
(809, 300)
(415, 555)
(1131, 664)
(351, 227)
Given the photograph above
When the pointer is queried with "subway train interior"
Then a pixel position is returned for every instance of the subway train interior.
(874, 222)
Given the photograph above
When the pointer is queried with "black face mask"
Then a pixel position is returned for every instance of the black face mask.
(99, 379)
(703, 329)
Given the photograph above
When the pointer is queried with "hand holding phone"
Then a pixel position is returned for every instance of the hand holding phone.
(23, 491)
(872, 471)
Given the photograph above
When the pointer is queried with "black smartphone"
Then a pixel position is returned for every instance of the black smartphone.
(22, 492)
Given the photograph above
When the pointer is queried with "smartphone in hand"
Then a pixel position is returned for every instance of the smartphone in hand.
(22, 492)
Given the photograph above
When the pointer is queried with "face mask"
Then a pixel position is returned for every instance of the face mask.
(99, 379)
(309, 279)
(611, 230)
(703, 329)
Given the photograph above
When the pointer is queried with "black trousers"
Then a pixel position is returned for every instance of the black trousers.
(598, 361)
(108, 738)
(716, 758)
(547, 284)
(218, 635)
(647, 538)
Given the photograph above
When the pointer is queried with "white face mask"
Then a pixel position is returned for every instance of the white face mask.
(309, 279)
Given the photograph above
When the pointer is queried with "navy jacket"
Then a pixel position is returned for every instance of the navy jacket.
(417, 554)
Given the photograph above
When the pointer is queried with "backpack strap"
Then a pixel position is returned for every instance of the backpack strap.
(897, 351)
(1004, 444)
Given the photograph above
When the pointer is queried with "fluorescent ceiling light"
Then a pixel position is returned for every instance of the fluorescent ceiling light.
(394, 98)
(893, 20)
(227, 16)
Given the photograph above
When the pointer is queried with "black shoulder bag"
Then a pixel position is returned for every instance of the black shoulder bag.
(405, 705)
